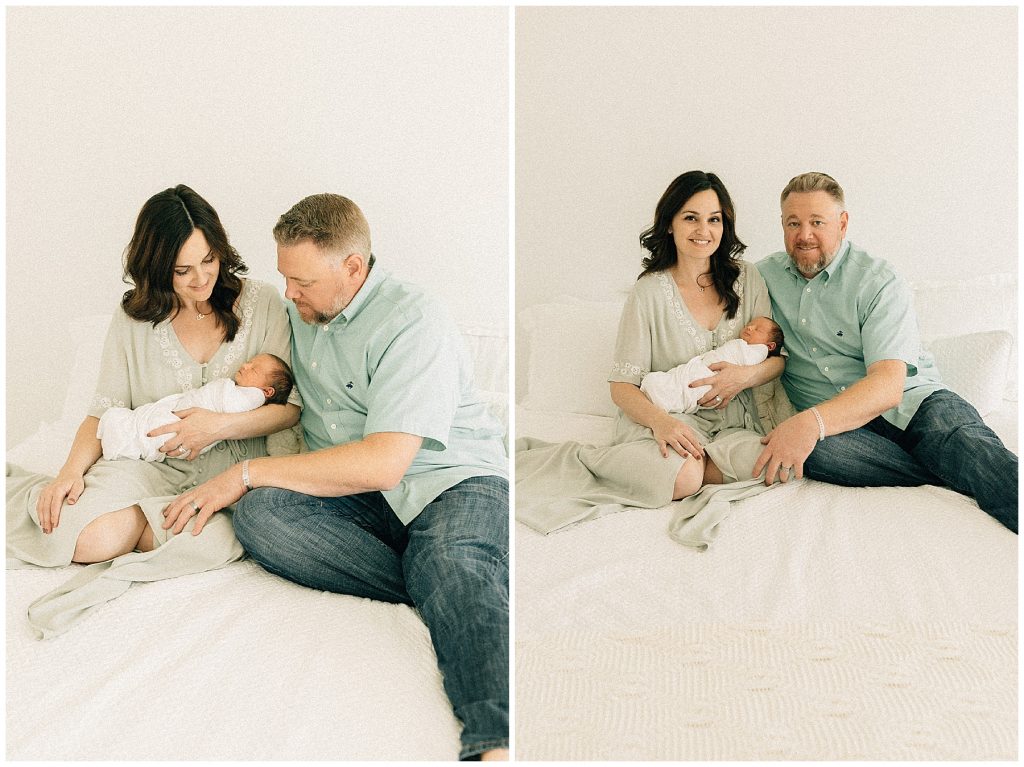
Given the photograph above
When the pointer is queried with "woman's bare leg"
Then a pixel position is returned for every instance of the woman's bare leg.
(693, 475)
(112, 535)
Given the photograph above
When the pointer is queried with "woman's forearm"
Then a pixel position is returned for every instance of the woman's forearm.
(260, 422)
(766, 371)
(635, 403)
(86, 449)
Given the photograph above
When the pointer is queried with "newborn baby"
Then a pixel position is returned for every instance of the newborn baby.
(265, 379)
(759, 339)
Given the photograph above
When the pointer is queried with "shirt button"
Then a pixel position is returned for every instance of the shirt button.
(200, 471)
(328, 402)
(313, 365)
(842, 388)
(334, 426)
(808, 290)
(826, 368)
(814, 348)
(803, 321)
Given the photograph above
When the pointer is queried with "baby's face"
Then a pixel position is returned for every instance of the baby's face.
(757, 331)
(256, 372)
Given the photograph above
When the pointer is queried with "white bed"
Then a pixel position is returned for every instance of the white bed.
(232, 664)
(822, 623)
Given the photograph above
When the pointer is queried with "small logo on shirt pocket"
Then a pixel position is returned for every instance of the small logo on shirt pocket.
(839, 333)
(349, 385)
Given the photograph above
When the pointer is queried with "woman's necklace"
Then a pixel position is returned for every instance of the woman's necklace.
(200, 315)
(703, 287)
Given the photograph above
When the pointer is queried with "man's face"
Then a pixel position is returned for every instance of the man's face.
(320, 285)
(813, 227)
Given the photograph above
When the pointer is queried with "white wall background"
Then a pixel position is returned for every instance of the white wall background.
(912, 110)
(405, 110)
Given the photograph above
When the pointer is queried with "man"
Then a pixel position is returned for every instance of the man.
(403, 496)
(871, 409)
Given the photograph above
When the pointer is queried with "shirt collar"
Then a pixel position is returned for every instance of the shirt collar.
(362, 297)
(829, 270)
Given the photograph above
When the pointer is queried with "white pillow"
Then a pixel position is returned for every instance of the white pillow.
(975, 366)
(570, 346)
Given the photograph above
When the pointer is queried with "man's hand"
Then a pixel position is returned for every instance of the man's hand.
(787, 447)
(204, 501)
(728, 381)
(197, 429)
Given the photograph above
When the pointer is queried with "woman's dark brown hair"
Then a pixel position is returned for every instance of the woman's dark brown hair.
(724, 261)
(164, 223)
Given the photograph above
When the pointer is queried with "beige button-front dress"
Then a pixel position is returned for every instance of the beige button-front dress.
(141, 364)
(561, 484)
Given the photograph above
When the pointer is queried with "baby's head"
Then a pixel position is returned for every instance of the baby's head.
(762, 330)
(270, 373)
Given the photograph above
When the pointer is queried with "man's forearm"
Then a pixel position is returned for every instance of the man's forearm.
(880, 390)
(377, 462)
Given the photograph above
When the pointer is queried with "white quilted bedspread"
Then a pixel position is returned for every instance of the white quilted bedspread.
(232, 664)
(822, 623)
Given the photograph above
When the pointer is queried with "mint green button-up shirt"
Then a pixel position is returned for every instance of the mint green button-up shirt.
(394, 361)
(854, 313)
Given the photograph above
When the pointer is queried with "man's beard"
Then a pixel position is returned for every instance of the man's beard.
(817, 267)
(322, 318)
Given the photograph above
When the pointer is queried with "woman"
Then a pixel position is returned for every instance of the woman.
(188, 319)
(693, 295)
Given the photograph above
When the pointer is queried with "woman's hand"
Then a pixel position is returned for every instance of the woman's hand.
(728, 381)
(672, 433)
(204, 501)
(197, 429)
(68, 486)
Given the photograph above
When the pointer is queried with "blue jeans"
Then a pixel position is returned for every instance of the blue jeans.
(945, 443)
(451, 562)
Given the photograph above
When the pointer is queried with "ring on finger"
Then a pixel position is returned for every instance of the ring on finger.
(182, 450)
(718, 399)
(193, 505)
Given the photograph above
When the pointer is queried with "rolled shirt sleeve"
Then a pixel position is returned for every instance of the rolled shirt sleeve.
(414, 384)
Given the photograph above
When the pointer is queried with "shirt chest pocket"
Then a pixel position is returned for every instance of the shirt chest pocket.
(343, 426)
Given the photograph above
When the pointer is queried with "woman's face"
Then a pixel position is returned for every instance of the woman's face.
(195, 270)
(697, 227)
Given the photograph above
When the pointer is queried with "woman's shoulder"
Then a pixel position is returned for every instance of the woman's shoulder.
(257, 293)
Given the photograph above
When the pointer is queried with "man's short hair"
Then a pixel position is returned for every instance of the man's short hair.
(815, 182)
(333, 222)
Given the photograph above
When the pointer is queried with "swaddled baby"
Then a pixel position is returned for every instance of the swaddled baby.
(265, 379)
(759, 339)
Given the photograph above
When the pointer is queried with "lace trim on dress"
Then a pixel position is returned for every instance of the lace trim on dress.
(668, 287)
(183, 370)
(628, 369)
(106, 402)
(247, 306)
(726, 330)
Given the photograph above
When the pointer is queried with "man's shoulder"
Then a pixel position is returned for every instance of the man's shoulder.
(869, 271)
(405, 303)
(773, 264)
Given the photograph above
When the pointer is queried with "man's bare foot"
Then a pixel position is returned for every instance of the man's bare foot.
(495, 755)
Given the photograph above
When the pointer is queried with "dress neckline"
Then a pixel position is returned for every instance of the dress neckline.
(686, 308)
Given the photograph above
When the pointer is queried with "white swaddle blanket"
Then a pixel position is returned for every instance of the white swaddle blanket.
(122, 431)
(670, 390)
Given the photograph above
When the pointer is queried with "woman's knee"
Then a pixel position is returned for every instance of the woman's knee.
(111, 535)
(689, 480)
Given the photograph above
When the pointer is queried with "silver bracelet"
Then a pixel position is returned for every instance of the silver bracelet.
(245, 475)
(821, 424)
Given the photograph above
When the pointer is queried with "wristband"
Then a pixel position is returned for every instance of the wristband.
(245, 475)
(821, 424)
